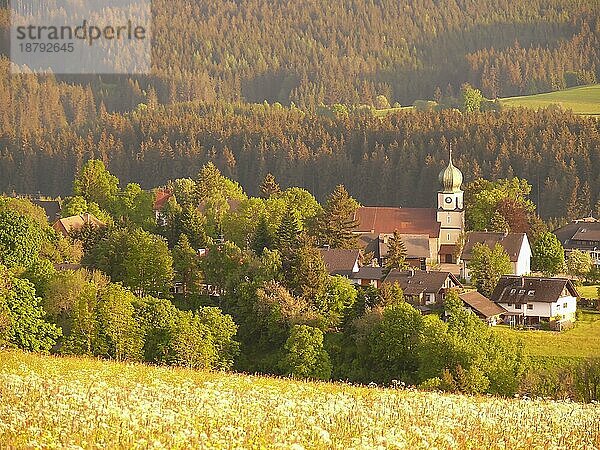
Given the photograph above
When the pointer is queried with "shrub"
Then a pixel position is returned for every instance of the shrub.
(305, 356)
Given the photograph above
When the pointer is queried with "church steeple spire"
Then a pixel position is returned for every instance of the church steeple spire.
(451, 178)
(450, 213)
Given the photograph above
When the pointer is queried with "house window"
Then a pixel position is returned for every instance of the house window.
(565, 305)
(529, 306)
(448, 219)
(518, 306)
(448, 236)
(510, 305)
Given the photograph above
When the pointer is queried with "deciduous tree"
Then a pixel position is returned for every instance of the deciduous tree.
(487, 266)
(96, 184)
(548, 255)
(579, 263)
(305, 356)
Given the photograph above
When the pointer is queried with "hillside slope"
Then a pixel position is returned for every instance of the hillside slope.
(584, 100)
(78, 402)
(313, 51)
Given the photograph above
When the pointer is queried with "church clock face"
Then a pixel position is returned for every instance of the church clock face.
(448, 200)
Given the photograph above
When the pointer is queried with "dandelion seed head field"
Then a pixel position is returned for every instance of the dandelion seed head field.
(68, 402)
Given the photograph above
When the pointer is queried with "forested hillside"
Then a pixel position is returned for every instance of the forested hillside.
(382, 161)
(312, 51)
(211, 59)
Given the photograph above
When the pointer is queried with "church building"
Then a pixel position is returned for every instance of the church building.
(430, 235)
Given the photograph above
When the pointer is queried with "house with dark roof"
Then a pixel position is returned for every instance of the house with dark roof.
(52, 208)
(531, 300)
(418, 248)
(422, 288)
(582, 235)
(341, 262)
(369, 276)
(346, 263)
(483, 307)
(432, 234)
(516, 245)
(68, 225)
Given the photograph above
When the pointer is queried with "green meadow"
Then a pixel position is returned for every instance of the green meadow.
(588, 291)
(583, 341)
(584, 100)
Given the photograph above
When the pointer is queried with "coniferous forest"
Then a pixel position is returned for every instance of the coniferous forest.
(382, 161)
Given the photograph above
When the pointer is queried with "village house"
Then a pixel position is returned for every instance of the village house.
(423, 289)
(52, 208)
(161, 198)
(532, 300)
(516, 245)
(582, 235)
(418, 249)
(485, 309)
(430, 235)
(345, 263)
(369, 276)
(68, 225)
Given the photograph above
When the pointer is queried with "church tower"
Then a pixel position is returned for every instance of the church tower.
(450, 212)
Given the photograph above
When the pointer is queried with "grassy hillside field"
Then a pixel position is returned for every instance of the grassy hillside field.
(50, 402)
(588, 291)
(583, 341)
(583, 100)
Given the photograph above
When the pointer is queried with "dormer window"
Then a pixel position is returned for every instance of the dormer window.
(513, 291)
(531, 293)
(521, 291)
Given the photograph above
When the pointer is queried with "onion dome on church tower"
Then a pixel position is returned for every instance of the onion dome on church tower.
(451, 178)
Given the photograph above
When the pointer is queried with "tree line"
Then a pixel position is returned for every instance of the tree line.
(391, 160)
(308, 52)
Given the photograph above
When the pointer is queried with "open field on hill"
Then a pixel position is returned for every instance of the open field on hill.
(63, 403)
(588, 291)
(583, 341)
(583, 100)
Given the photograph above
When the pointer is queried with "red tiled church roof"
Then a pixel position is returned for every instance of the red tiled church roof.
(374, 219)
